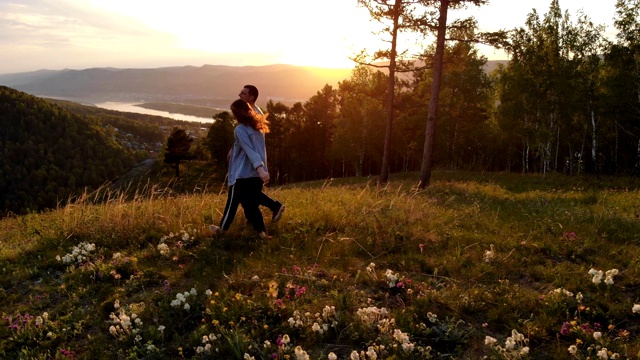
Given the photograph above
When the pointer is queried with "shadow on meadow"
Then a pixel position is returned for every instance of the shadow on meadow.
(76, 280)
(546, 240)
(462, 270)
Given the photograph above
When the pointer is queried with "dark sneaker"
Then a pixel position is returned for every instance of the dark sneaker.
(277, 215)
(215, 230)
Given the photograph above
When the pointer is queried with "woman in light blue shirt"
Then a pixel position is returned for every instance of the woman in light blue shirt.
(250, 93)
(247, 169)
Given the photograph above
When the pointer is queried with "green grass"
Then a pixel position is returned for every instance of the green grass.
(352, 266)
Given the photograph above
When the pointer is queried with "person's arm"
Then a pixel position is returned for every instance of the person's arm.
(264, 175)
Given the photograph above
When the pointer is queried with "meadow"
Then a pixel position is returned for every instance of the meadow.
(478, 265)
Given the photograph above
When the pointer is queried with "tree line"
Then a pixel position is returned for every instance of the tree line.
(567, 101)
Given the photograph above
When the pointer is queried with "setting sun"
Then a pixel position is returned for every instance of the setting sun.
(159, 33)
(296, 32)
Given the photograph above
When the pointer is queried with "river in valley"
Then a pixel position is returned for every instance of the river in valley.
(131, 107)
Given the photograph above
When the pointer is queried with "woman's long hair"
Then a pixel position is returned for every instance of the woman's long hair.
(246, 115)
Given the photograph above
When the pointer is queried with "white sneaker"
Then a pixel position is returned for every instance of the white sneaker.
(263, 235)
(215, 230)
(278, 214)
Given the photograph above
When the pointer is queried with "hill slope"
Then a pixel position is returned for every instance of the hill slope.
(476, 266)
(49, 153)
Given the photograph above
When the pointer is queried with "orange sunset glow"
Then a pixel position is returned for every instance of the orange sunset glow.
(145, 33)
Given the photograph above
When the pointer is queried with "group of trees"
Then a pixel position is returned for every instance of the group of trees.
(567, 101)
(49, 154)
(570, 97)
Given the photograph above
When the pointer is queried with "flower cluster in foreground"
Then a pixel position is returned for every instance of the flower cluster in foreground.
(79, 254)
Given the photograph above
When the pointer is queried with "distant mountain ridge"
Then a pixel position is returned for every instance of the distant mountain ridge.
(209, 85)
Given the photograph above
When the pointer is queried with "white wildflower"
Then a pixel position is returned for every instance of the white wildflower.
(603, 354)
(371, 353)
(509, 344)
(300, 354)
(391, 277)
(316, 328)
(371, 268)
(400, 336)
(488, 340)
(597, 276)
(517, 336)
(164, 249)
(432, 317)
(489, 254)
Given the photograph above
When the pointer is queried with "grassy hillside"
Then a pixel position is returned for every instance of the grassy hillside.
(478, 265)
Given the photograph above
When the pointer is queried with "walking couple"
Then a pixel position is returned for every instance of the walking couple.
(248, 171)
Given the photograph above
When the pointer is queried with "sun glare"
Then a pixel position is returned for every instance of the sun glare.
(285, 31)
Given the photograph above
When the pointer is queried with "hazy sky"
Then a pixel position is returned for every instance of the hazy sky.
(78, 34)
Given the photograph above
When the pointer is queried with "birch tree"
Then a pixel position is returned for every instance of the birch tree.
(586, 46)
(541, 75)
(624, 64)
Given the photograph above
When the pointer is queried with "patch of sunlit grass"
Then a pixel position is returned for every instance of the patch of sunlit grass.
(502, 266)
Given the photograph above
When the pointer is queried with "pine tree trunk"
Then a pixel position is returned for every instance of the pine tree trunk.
(430, 133)
(386, 155)
(594, 144)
